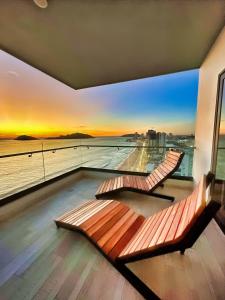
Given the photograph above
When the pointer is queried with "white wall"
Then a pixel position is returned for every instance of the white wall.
(207, 92)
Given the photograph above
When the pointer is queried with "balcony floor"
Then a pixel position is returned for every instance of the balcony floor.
(38, 261)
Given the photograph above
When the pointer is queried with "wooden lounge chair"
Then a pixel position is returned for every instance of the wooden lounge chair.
(140, 184)
(124, 236)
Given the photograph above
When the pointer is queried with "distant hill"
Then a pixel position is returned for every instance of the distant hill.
(76, 135)
(131, 135)
(25, 138)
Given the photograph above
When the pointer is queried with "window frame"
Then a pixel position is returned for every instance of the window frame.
(217, 120)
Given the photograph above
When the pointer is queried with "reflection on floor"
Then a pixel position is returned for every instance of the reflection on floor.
(37, 261)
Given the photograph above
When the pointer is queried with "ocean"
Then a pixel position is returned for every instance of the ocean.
(19, 172)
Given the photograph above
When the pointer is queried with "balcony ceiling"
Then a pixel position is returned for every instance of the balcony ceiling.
(86, 43)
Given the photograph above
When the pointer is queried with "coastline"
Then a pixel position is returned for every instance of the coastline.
(136, 161)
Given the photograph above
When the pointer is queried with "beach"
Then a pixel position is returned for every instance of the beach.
(137, 160)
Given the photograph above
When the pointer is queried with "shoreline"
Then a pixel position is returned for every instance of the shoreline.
(136, 160)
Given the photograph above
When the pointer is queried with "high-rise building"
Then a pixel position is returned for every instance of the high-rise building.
(152, 138)
(161, 142)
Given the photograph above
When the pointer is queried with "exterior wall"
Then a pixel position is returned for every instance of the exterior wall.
(212, 66)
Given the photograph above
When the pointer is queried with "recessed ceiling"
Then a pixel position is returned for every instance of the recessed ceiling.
(86, 43)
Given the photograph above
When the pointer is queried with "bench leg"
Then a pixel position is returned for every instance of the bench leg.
(139, 285)
(170, 198)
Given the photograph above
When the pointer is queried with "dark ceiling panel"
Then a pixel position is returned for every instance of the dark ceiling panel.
(86, 43)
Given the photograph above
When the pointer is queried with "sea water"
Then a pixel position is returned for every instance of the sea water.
(19, 172)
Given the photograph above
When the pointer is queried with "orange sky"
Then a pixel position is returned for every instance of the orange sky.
(35, 104)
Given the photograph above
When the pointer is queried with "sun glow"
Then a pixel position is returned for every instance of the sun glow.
(13, 129)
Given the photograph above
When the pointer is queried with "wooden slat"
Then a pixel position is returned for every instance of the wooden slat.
(173, 161)
(138, 236)
(104, 220)
(120, 182)
(74, 210)
(125, 181)
(148, 184)
(79, 220)
(145, 185)
(138, 182)
(99, 215)
(106, 188)
(127, 236)
(149, 226)
(81, 211)
(173, 229)
(184, 219)
(141, 183)
(201, 200)
(135, 179)
(159, 230)
(175, 153)
(111, 184)
(192, 208)
(104, 185)
(151, 181)
(109, 240)
(133, 182)
(154, 178)
(168, 162)
(100, 189)
(167, 166)
(162, 171)
(151, 231)
(168, 224)
(160, 175)
(98, 234)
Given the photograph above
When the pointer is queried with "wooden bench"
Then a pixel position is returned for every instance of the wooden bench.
(125, 236)
(142, 184)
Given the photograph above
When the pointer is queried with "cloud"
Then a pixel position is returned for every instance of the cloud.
(13, 73)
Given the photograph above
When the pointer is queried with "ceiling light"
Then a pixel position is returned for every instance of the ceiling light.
(41, 3)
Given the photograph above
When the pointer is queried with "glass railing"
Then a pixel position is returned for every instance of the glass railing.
(21, 170)
(220, 164)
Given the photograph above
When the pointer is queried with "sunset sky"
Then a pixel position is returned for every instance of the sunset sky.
(35, 104)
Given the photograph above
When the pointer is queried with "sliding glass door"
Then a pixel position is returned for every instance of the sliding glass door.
(220, 151)
(218, 161)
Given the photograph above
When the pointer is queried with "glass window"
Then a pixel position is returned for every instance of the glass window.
(220, 159)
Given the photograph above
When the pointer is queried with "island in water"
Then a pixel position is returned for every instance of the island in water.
(135, 135)
(25, 138)
(76, 135)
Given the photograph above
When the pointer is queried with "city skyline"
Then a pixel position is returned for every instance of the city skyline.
(35, 104)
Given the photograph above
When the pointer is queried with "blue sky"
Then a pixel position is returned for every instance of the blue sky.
(168, 98)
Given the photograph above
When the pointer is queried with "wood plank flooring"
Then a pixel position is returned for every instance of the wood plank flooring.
(37, 261)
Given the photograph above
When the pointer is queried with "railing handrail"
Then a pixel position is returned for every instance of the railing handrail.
(93, 146)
